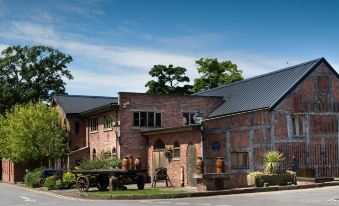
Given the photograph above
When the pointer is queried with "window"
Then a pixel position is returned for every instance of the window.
(108, 121)
(298, 126)
(215, 146)
(93, 124)
(188, 118)
(176, 149)
(239, 160)
(94, 154)
(77, 128)
(147, 119)
(159, 145)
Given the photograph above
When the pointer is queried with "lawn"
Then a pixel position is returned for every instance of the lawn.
(136, 192)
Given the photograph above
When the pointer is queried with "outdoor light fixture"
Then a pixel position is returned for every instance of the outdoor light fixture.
(198, 117)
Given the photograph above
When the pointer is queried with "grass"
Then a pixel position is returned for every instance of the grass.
(136, 192)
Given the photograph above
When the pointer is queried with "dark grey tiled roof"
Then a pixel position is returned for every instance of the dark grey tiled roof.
(74, 104)
(264, 91)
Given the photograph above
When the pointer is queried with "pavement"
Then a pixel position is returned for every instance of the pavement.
(16, 195)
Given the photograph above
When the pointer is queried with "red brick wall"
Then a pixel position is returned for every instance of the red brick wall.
(320, 120)
(170, 106)
(75, 141)
(102, 140)
(174, 166)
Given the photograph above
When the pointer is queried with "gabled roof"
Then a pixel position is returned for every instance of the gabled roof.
(261, 92)
(76, 104)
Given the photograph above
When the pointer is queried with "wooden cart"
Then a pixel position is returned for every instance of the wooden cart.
(102, 178)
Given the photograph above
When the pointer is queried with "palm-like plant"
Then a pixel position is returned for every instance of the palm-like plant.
(272, 161)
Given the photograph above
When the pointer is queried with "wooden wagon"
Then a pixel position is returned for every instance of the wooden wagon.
(103, 178)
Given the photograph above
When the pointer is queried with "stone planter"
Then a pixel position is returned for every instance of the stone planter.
(130, 162)
(219, 165)
(199, 166)
(258, 180)
(125, 163)
(137, 163)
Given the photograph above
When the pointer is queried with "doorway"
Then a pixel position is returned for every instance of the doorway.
(191, 158)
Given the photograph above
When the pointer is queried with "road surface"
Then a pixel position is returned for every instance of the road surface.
(13, 195)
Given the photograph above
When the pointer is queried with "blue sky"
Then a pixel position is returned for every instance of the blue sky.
(115, 43)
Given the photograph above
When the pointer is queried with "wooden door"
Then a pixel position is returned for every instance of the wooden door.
(191, 158)
(159, 160)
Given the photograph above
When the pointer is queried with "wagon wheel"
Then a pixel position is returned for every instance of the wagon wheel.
(83, 183)
(141, 182)
(102, 182)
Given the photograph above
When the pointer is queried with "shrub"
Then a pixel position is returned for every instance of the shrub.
(272, 161)
(68, 179)
(58, 184)
(32, 178)
(104, 163)
(50, 182)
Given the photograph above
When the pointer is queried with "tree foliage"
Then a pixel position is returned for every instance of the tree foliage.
(32, 132)
(215, 73)
(170, 80)
(31, 74)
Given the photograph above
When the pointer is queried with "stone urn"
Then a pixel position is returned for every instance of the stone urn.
(199, 166)
(219, 165)
(137, 163)
(131, 162)
(125, 163)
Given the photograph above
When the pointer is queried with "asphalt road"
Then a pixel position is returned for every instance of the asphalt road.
(14, 195)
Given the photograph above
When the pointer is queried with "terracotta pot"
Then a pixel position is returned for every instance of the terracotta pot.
(125, 163)
(219, 165)
(137, 163)
(131, 162)
(199, 166)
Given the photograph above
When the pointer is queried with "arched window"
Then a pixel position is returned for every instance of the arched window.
(94, 154)
(176, 149)
(159, 145)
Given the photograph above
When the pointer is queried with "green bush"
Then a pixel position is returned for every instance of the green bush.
(32, 178)
(50, 182)
(68, 179)
(258, 178)
(103, 163)
(58, 184)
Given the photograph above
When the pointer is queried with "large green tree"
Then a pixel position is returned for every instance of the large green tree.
(170, 80)
(32, 132)
(215, 73)
(31, 74)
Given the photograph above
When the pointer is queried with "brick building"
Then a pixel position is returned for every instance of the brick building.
(293, 109)
(73, 110)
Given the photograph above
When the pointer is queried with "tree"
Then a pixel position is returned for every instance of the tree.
(215, 73)
(169, 80)
(31, 74)
(32, 132)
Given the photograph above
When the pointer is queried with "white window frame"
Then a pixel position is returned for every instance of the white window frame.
(296, 122)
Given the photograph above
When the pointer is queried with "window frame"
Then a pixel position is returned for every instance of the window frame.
(298, 126)
(176, 148)
(239, 163)
(141, 119)
(77, 128)
(94, 124)
(108, 121)
(191, 120)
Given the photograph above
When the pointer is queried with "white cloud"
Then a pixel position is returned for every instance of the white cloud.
(113, 64)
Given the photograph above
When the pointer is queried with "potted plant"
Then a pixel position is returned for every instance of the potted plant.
(271, 174)
(168, 152)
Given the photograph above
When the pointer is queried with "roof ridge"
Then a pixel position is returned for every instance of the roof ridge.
(261, 75)
(89, 96)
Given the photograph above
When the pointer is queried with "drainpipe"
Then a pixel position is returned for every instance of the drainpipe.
(182, 176)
